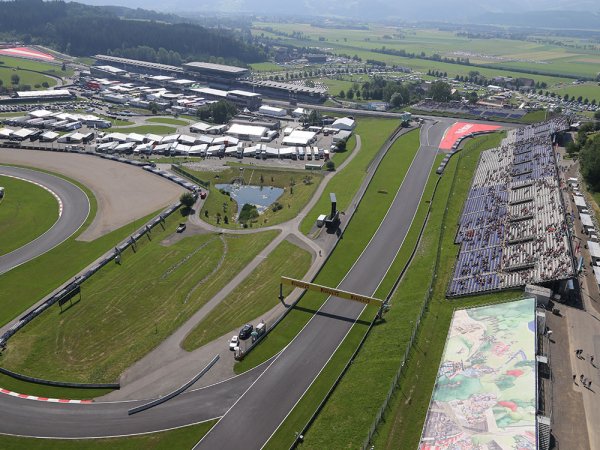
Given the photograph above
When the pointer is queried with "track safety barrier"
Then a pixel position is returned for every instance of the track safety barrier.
(175, 393)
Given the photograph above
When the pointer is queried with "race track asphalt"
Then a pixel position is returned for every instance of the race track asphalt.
(76, 208)
(259, 412)
(254, 404)
(24, 417)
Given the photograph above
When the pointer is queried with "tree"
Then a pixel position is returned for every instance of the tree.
(472, 97)
(440, 91)
(187, 199)
(45, 84)
(63, 67)
(15, 79)
(589, 157)
(153, 107)
(350, 94)
(330, 165)
(341, 146)
(342, 94)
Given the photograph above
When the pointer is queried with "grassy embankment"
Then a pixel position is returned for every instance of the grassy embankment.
(373, 133)
(126, 310)
(26, 212)
(256, 295)
(371, 211)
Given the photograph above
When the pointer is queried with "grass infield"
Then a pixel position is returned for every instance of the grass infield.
(256, 295)
(26, 212)
(126, 310)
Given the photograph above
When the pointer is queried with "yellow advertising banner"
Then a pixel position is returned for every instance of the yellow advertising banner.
(330, 291)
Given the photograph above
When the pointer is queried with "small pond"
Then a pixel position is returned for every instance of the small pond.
(260, 196)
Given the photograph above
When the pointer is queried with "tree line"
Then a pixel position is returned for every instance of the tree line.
(82, 30)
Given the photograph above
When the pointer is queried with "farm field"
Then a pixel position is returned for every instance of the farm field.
(500, 56)
(591, 91)
(127, 309)
(256, 295)
(26, 212)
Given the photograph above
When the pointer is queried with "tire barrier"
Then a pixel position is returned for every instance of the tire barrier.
(35, 380)
(175, 393)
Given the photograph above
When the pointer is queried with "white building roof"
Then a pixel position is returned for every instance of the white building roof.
(135, 137)
(586, 220)
(579, 201)
(597, 273)
(22, 133)
(247, 130)
(299, 137)
(344, 122)
(6, 132)
(40, 113)
(200, 126)
(594, 248)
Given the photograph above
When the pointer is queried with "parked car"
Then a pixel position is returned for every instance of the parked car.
(234, 342)
(181, 228)
(203, 195)
(246, 331)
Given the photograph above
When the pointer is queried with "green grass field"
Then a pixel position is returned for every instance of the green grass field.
(128, 309)
(254, 296)
(145, 129)
(38, 66)
(266, 67)
(298, 186)
(26, 212)
(365, 221)
(185, 437)
(32, 79)
(373, 133)
(168, 121)
(591, 91)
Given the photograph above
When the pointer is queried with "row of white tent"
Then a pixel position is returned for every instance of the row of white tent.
(172, 138)
(239, 151)
(27, 133)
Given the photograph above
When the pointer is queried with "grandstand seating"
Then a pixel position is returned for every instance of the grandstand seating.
(512, 229)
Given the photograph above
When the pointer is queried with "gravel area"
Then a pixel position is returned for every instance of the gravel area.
(124, 193)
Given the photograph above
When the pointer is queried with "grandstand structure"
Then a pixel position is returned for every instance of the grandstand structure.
(513, 229)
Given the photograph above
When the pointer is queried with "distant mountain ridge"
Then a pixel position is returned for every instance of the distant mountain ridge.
(515, 11)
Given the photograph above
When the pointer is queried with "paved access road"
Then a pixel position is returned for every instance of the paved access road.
(260, 411)
(75, 209)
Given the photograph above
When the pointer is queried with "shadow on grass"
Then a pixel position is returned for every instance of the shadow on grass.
(332, 316)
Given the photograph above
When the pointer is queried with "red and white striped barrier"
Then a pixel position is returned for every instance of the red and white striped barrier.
(42, 399)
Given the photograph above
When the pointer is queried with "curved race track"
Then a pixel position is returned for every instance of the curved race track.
(75, 210)
(254, 404)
